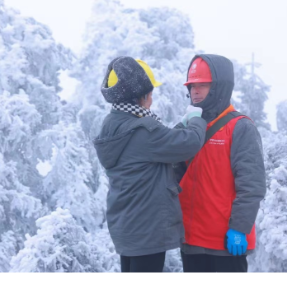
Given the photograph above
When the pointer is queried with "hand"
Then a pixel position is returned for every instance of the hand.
(191, 112)
(236, 242)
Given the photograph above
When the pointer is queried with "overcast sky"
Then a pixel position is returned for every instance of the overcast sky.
(231, 28)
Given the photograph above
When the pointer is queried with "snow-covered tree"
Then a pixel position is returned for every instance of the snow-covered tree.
(251, 94)
(60, 245)
(282, 116)
(19, 121)
(103, 255)
(8, 248)
(69, 184)
(271, 251)
(17, 203)
(18, 211)
(30, 62)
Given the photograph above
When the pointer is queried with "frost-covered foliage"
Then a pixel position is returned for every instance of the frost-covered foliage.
(19, 120)
(271, 253)
(18, 211)
(30, 61)
(173, 261)
(69, 183)
(282, 116)
(8, 247)
(61, 245)
(251, 94)
(103, 254)
(17, 205)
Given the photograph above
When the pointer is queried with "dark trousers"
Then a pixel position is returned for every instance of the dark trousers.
(145, 263)
(212, 263)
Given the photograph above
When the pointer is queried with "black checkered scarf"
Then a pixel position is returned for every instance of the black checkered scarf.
(136, 110)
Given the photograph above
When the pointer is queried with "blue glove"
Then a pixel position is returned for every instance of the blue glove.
(236, 242)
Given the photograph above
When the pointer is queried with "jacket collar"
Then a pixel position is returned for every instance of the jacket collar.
(224, 113)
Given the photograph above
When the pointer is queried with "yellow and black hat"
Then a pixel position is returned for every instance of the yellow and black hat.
(127, 80)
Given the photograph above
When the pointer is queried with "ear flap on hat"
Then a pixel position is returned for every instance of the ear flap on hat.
(110, 68)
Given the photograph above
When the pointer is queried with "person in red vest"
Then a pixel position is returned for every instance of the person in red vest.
(225, 182)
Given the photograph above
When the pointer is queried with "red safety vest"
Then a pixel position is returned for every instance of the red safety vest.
(208, 191)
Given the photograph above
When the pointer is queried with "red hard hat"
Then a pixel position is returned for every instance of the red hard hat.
(199, 72)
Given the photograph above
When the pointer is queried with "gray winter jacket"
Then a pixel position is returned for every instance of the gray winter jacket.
(246, 156)
(143, 210)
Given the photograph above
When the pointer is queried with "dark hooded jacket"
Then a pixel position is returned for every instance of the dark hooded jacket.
(246, 156)
(143, 210)
(221, 89)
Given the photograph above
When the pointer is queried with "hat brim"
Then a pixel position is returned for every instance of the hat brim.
(157, 84)
(197, 81)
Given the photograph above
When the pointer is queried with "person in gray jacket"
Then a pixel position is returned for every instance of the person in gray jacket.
(143, 210)
(225, 182)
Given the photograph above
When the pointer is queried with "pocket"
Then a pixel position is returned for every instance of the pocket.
(174, 189)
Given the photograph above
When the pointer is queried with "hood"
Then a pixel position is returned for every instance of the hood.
(117, 130)
(113, 139)
(109, 150)
(222, 86)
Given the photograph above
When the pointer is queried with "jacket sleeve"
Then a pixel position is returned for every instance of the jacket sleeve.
(175, 145)
(179, 168)
(249, 174)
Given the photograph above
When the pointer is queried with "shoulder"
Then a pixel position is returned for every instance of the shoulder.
(246, 133)
(148, 123)
(127, 121)
(244, 125)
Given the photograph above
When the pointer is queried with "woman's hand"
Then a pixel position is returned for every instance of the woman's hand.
(191, 112)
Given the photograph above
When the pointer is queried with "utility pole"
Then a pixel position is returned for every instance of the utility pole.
(253, 65)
